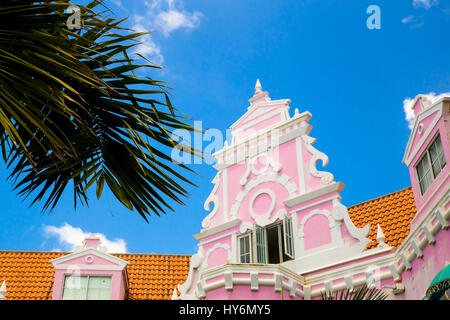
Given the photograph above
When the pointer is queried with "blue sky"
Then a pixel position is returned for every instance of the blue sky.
(318, 53)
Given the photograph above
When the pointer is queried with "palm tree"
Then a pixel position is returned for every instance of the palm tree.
(73, 110)
(361, 293)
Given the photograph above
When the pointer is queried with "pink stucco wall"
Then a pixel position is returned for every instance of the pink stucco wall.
(424, 203)
(418, 279)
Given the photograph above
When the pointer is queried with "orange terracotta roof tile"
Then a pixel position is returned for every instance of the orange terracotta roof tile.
(393, 212)
(29, 275)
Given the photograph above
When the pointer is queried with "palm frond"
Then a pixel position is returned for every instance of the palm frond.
(73, 110)
(361, 293)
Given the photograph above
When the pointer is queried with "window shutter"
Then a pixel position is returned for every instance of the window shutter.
(245, 252)
(259, 238)
(288, 238)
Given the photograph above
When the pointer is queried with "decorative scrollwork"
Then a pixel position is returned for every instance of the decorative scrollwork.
(212, 199)
(326, 177)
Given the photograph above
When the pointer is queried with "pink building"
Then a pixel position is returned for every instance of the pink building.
(276, 227)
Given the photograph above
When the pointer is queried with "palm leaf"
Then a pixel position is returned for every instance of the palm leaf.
(72, 111)
(361, 293)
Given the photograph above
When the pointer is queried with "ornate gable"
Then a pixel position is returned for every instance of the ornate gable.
(271, 205)
(427, 117)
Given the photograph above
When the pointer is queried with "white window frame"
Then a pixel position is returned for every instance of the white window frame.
(88, 276)
(288, 238)
(429, 169)
(250, 247)
(259, 249)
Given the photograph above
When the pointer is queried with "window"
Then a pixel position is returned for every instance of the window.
(245, 253)
(268, 245)
(80, 287)
(430, 165)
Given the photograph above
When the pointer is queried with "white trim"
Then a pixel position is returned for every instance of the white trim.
(403, 252)
(334, 187)
(271, 103)
(325, 177)
(225, 195)
(250, 244)
(411, 154)
(304, 129)
(3, 290)
(266, 115)
(282, 180)
(425, 220)
(334, 228)
(314, 204)
(429, 197)
(234, 147)
(353, 268)
(234, 248)
(422, 115)
(212, 231)
(217, 238)
(214, 248)
(267, 102)
(195, 263)
(212, 199)
(419, 253)
(262, 219)
(87, 267)
(253, 281)
(86, 251)
(339, 213)
(300, 172)
(228, 277)
(250, 166)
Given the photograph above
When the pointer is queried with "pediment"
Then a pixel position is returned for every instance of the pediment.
(424, 123)
(89, 257)
(259, 112)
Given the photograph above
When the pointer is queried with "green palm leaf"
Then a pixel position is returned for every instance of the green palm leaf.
(361, 293)
(72, 110)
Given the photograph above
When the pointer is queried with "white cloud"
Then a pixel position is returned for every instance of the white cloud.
(169, 21)
(407, 105)
(117, 3)
(409, 112)
(164, 16)
(427, 4)
(70, 237)
(148, 48)
(407, 19)
(414, 22)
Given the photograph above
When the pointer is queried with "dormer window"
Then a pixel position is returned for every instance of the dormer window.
(271, 244)
(87, 287)
(430, 165)
(90, 273)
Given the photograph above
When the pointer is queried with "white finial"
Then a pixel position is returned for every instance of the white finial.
(225, 144)
(3, 290)
(258, 87)
(296, 113)
(380, 237)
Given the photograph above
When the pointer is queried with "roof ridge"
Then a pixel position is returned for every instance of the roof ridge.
(386, 195)
(32, 251)
(152, 254)
(113, 253)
